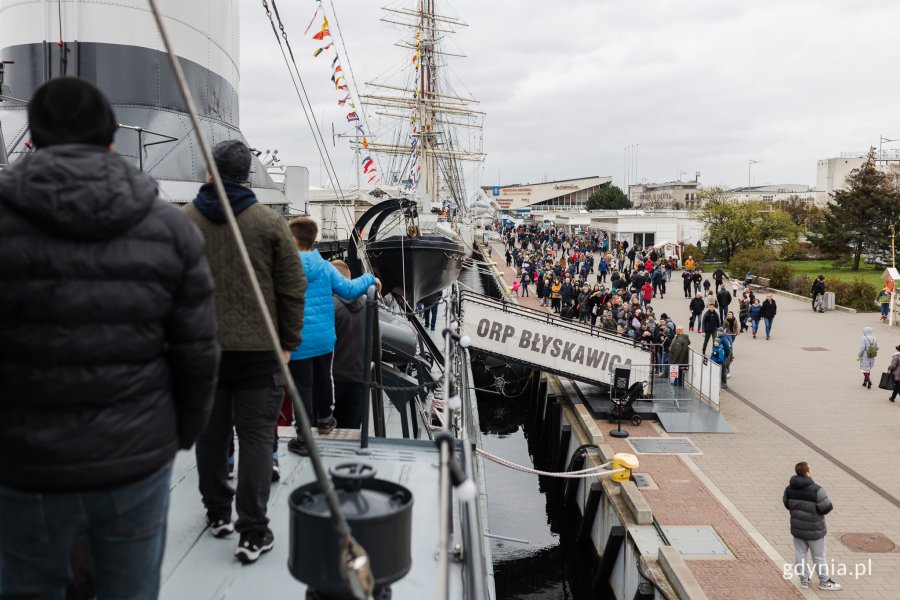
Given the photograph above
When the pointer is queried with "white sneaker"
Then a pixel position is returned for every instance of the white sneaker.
(804, 584)
(829, 585)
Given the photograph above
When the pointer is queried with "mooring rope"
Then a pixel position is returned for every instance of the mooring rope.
(583, 473)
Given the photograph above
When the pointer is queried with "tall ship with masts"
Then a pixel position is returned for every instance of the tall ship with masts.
(427, 139)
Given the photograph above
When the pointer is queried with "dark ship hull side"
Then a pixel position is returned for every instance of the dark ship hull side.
(413, 268)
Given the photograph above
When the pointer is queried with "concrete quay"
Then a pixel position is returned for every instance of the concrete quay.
(796, 397)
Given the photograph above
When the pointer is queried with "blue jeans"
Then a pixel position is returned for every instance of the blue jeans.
(126, 527)
(768, 321)
(754, 325)
(431, 311)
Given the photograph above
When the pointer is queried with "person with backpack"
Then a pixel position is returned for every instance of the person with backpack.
(868, 350)
(728, 350)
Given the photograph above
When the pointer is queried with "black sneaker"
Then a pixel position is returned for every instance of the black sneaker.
(297, 446)
(253, 544)
(326, 426)
(219, 526)
(276, 470)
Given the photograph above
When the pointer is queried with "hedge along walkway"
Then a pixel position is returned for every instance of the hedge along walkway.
(814, 268)
(846, 299)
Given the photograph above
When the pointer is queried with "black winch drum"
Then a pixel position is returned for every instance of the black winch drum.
(380, 517)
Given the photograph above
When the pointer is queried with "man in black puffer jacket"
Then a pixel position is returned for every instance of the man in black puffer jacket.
(108, 353)
(808, 504)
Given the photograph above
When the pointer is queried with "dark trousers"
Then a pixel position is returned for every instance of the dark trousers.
(312, 376)
(708, 335)
(687, 289)
(126, 527)
(695, 317)
(896, 389)
(350, 403)
(253, 413)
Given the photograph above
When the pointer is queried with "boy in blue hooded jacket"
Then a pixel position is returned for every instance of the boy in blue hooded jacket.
(311, 362)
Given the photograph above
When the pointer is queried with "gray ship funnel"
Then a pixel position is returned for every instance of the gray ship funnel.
(115, 45)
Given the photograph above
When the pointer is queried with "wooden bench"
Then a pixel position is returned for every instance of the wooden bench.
(762, 281)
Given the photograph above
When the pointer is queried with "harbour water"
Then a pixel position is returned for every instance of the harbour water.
(536, 560)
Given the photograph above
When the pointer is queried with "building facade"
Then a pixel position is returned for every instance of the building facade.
(773, 193)
(565, 195)
(832, 174)
(670, 195)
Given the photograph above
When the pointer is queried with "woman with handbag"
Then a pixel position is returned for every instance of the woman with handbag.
(868, 350)
(894, 371)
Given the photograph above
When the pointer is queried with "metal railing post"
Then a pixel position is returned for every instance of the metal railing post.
(367, 370)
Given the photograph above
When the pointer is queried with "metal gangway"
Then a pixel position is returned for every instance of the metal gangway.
(581, 352)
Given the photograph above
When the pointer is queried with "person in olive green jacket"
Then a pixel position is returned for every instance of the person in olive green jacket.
(250, 388)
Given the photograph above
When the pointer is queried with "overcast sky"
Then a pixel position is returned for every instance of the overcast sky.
(703, 85)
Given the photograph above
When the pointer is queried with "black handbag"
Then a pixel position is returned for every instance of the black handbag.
(887, 381)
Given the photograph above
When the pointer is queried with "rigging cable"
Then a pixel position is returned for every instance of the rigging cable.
(352, 78)
(63, 61)
(308, 112)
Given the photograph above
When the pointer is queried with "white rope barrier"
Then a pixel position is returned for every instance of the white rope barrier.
(583, 473)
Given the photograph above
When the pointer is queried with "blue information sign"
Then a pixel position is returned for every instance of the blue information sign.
(496, 190)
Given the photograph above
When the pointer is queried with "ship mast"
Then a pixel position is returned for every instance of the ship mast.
(429, 175)
(427, 156)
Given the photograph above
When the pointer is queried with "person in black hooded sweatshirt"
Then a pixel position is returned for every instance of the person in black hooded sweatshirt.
(108, 353)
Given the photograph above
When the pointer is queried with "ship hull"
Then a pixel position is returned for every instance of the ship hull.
(412, 268)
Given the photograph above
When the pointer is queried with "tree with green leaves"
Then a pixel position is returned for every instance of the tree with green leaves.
(608, 197)
(861, 218)
(796, 207)
(732, 225)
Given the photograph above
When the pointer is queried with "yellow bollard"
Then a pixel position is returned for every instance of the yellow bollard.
(625, 461)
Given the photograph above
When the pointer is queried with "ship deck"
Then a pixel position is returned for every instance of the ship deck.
(197, 565)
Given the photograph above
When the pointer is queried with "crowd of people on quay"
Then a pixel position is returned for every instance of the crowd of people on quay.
(558, 266)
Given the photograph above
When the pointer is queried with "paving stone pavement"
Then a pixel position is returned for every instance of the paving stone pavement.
(818, 395)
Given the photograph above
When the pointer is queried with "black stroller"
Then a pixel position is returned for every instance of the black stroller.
(622, 409)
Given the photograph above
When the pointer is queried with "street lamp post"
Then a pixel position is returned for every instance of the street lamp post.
(749, 166)
(882, 140)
